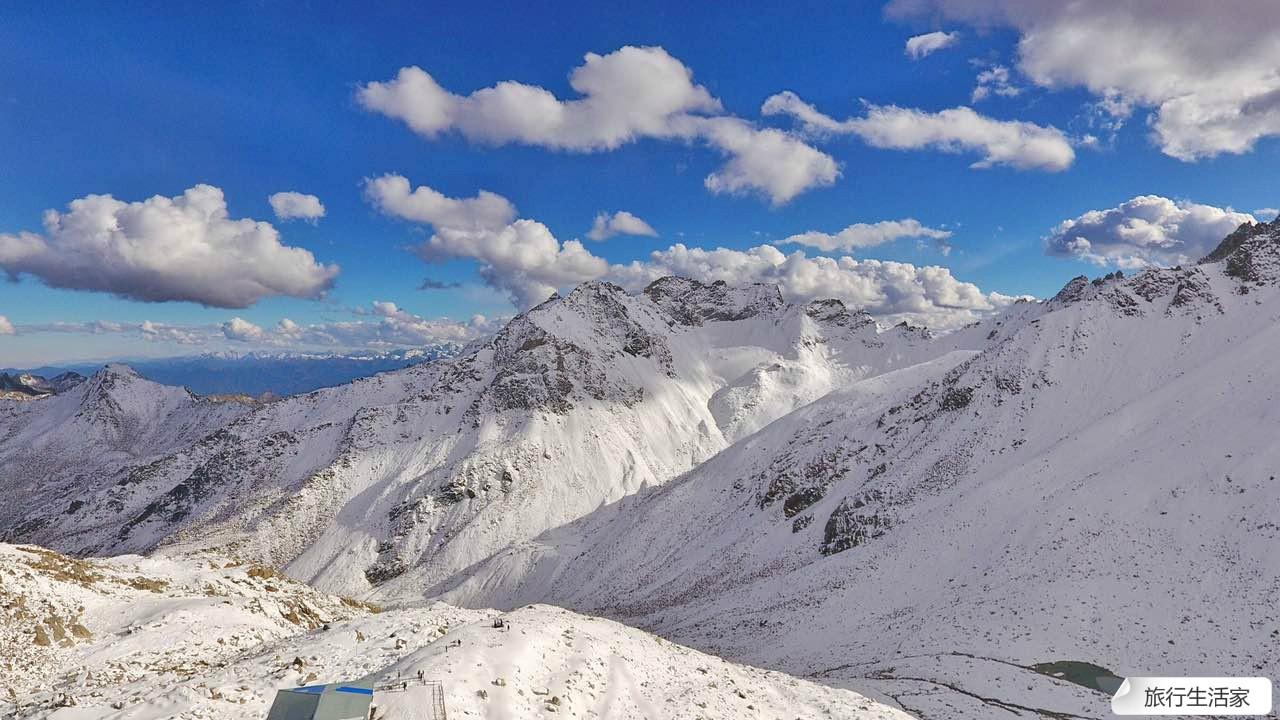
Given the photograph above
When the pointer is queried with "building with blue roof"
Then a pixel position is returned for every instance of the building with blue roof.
(334, 701)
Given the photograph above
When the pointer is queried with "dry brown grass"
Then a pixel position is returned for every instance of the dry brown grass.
(361, 605)
(60, 567)
(150, 584)
(263, 572)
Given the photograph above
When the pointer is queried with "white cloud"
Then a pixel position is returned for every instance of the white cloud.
(863, 235)
(486, 211)
(813, 121)
(522, 257)
(919, 46)
(1017, 144)
(6, 327)
(296, 206)
(527, 262)
(288, 330)
(183, 248)
(1266, 213)
(393, 328)
(1022, 145)
(768, 160)
(158, 332)
(1207, 70)
(145, 330)
(396, 327)
(619, 223)
(1147, 230)
(995, 80)
(892, 291)
(627, 95)
(241, 330)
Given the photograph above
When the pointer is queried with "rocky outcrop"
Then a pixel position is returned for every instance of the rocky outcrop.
(691, 302)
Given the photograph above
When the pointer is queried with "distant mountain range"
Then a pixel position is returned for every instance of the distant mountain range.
(253, 374)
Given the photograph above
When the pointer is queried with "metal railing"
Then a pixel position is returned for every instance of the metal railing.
(435, 706)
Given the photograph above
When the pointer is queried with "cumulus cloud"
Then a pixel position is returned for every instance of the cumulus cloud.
(526, 261)
(1022, 145)
(863, 235)
(995, 80)
(183, 248)
(1017, 144)
(1208, 71)
(619, 223)
(160, 332)
(1147, 230)
(6, 327)
(242, 330)
(627, 95)
(520, 257)
(486, 211)
(289, 330)
(296, 206)
(769, 160)
(919, 46)
(892, 291)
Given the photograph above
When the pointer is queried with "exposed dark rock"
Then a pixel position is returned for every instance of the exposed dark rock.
(690, 302)
(956, 398)
(850, 526)
(1073, 290)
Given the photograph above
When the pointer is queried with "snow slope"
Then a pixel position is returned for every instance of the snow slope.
(395, 483)
(1097, 486)
(55, 448)
(139, 639)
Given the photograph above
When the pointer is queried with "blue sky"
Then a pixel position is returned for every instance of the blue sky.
(258, 98)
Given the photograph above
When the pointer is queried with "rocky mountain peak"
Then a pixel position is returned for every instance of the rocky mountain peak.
(1251, 253)
(692, 302)
(1073, 291)
(831, 311)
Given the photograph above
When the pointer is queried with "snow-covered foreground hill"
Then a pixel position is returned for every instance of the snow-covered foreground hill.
(395, 483)
(1097, 486)
(154, 639)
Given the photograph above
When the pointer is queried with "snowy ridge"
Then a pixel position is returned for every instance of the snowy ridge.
(397, 482)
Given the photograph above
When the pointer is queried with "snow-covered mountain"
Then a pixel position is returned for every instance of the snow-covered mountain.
(415, 475)
(986, 524)
(62, 452)
(150, 639)
(1092, 492)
